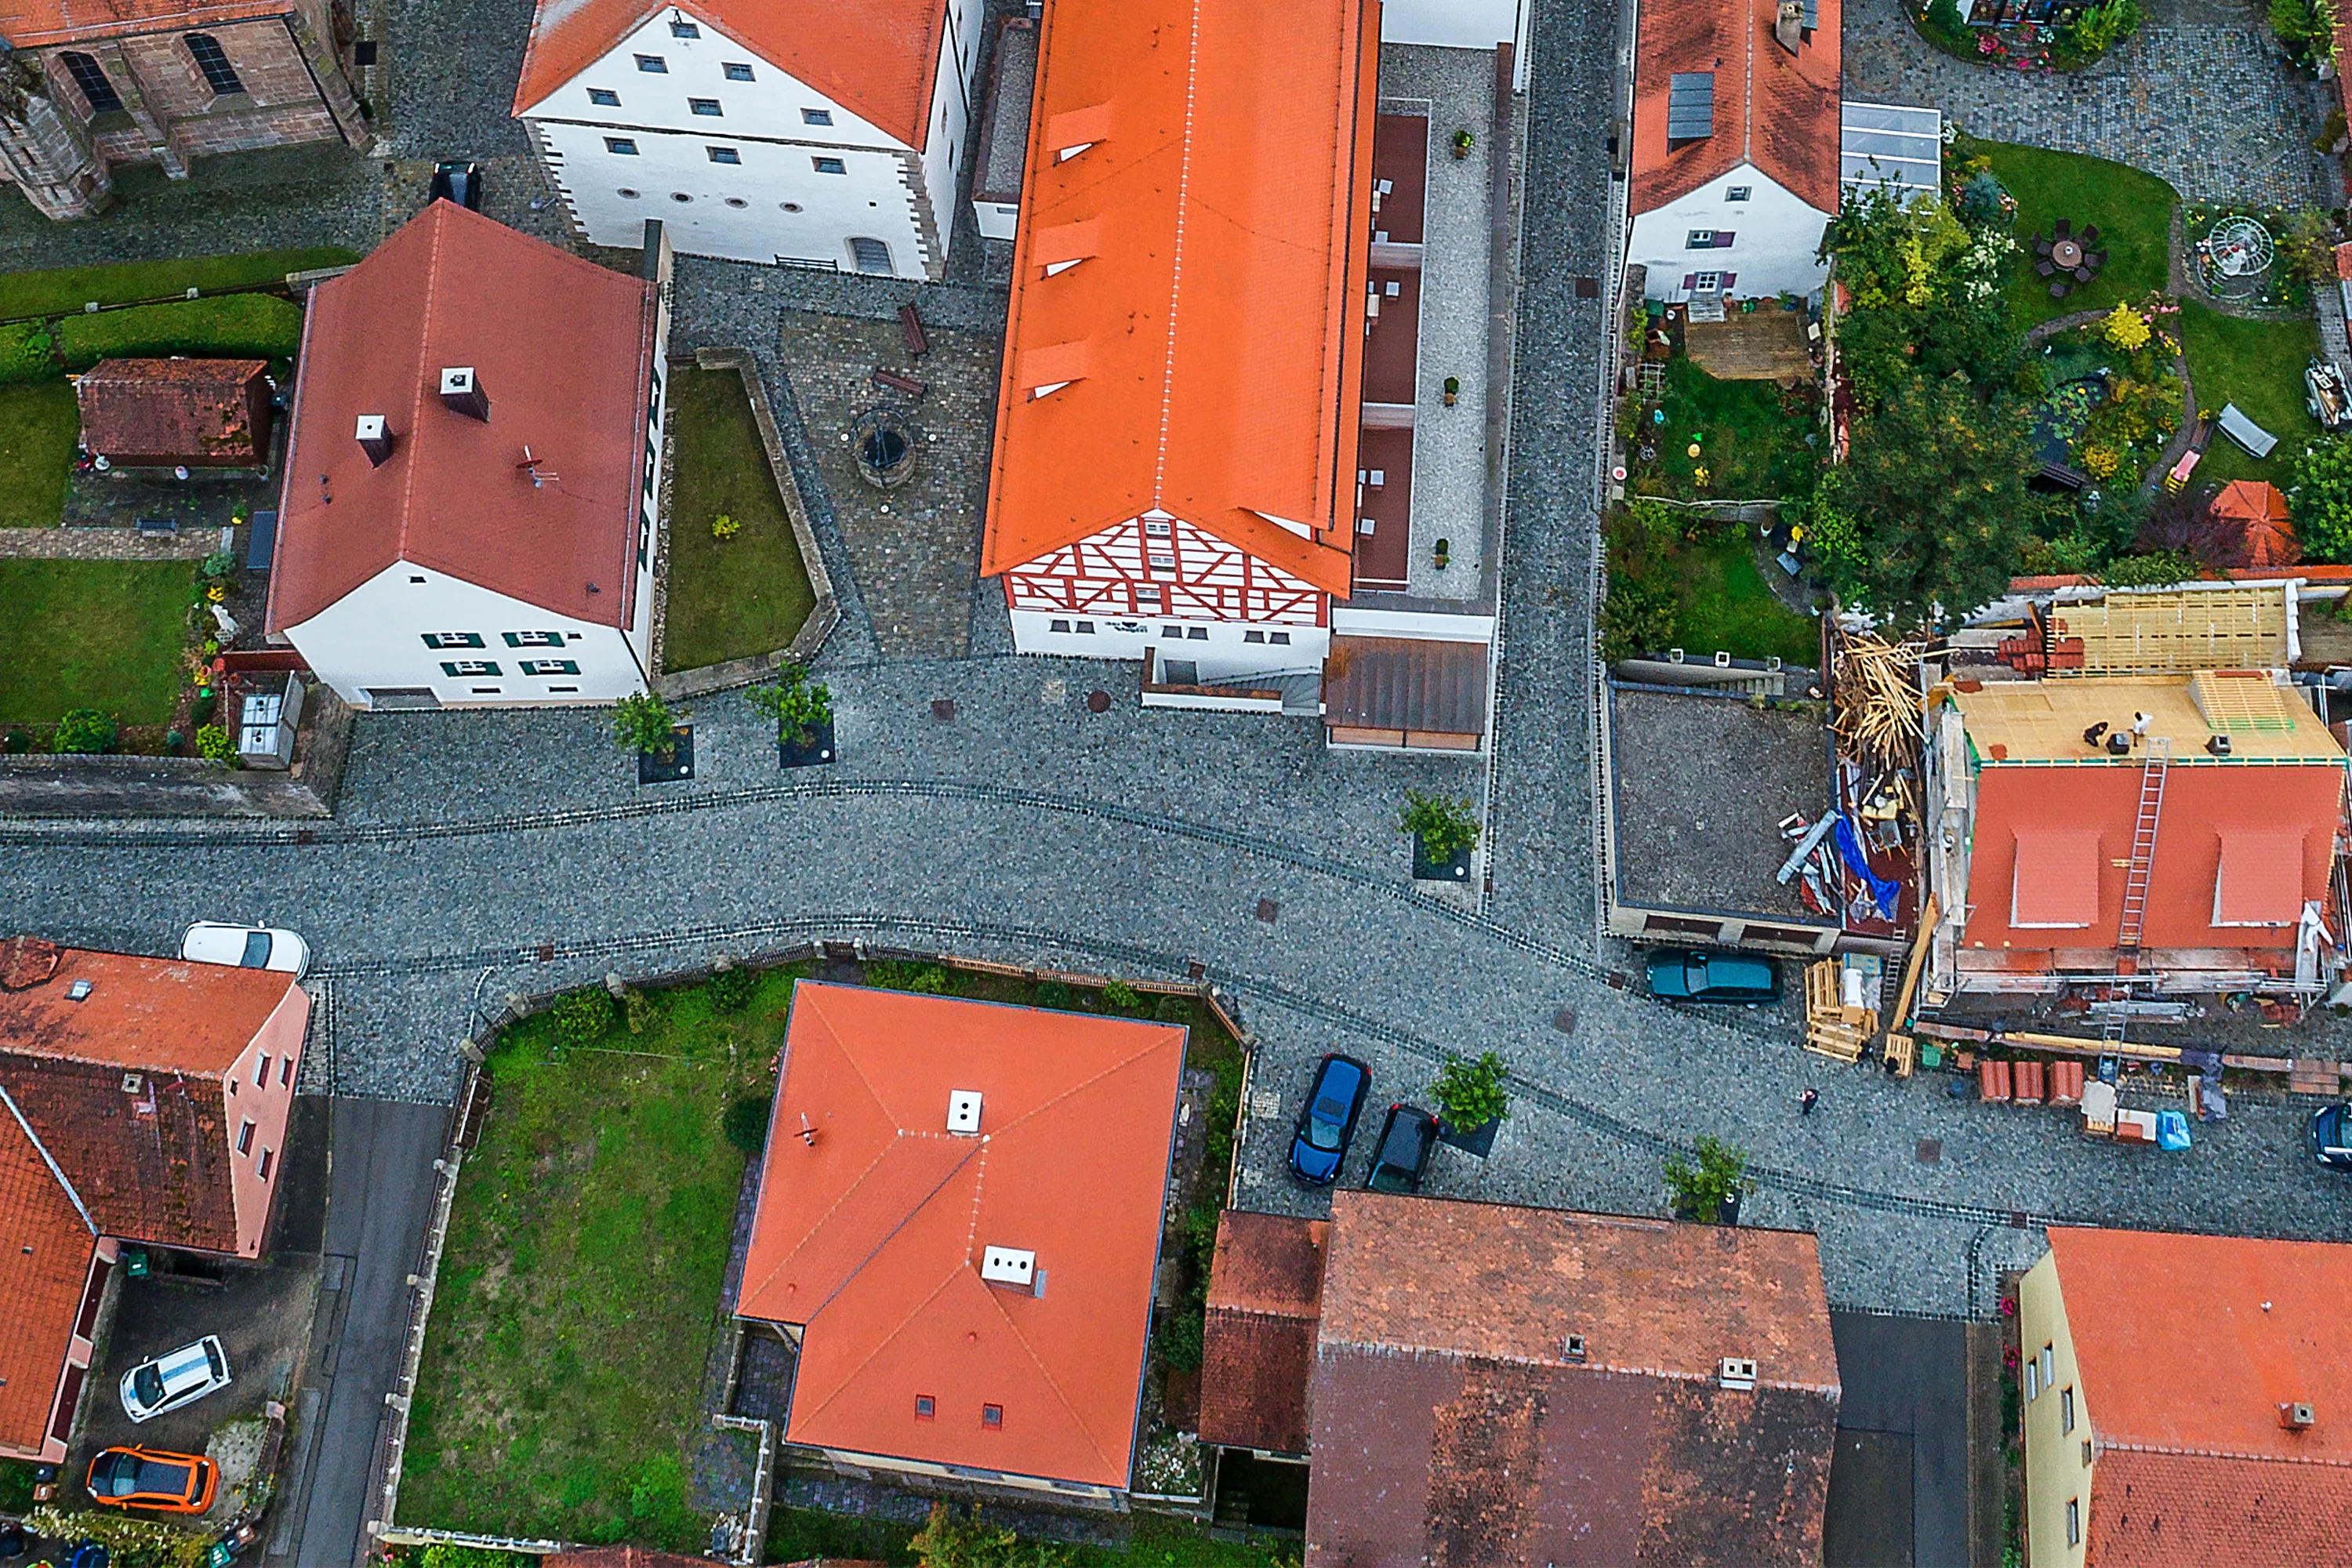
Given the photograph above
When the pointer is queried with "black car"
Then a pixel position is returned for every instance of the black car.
(459, 183)
(1319, 1144)
(1402, 1154)
(2331, 1136)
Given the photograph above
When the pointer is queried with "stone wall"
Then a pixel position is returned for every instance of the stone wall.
(102, 787)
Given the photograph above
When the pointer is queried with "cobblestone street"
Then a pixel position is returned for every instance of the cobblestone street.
(2210, 106)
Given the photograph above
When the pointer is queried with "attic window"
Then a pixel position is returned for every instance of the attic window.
(78, 991)
(684, 29)
(1690, 108)
(925, 1408)
(992, 1416)
(1074, 130)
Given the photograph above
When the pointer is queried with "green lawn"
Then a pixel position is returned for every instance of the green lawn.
(1722, 603)
(1751, 448)
(729, 598)
(2258, 365)
(240, 326)
(93, 633)
(2132, 210)
(579, 1292)
(798, 1534)
(39, 424)
(68, 288)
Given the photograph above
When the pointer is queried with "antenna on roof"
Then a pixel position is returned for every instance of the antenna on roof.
(539, 477)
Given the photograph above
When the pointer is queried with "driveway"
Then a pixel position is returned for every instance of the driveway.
(1899, 1480)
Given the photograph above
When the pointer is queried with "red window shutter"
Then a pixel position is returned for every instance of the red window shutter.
(1723, 240)
(1690, 280)
(1728, 280)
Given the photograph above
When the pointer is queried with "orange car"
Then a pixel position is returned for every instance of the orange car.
(151, 1477)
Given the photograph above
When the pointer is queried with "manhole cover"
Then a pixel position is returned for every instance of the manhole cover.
(1097, 701)
(1931, 1151)
(1266, 910)
(1565, 1020)
(944, 709)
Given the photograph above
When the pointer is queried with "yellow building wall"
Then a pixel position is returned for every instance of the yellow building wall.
(2055, 1470)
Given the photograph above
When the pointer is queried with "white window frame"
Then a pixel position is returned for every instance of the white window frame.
(1699, 239)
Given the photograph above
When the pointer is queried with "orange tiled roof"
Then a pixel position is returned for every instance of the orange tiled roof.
(878, 58)
(1774, 110)
(872, 1235)
(1211, 334)
(45, 1249)
(29, 24)
(198, 409)
(2165, 1510)
(153, 1015)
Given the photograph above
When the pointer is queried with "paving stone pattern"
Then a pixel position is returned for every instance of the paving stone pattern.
(2211, 107)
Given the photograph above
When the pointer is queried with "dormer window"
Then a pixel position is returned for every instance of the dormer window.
(680, 27)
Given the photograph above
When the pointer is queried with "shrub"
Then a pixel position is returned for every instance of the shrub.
(86, 732)
(15, 1486)
(18, 741)
(637, 1010)
(946, 1541)
(2124, 327)
(2158, 569)
(2306, 27)
(643, 723)
(1636, 618)
(1053, 994)
(448, 1556)
(2098, 28)
(132, 1543)
(903, 974)
(1172, 1009)
(254, 326)
(1470, 1093)
(1447, 827)
(2321, 498)
(27, 352)
(1700, 1189)
(724, 527)
(1942, 23)
(1120, 997)
(214, 744)
(1179, 1340)
(583, 1017)
(731, 986)
(746, 1122)
(216, 566)
(797, 704)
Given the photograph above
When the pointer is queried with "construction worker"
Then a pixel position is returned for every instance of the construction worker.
(2094, 734)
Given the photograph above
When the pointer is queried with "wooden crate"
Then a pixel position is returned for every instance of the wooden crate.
(1829, 1037)
(1902, 1055)
(1821, 996)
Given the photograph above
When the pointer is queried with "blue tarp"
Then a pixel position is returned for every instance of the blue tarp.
(2171, 1130)
(1881, 892)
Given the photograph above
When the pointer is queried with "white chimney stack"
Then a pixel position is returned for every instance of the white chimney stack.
(461, 392)
(375, 440)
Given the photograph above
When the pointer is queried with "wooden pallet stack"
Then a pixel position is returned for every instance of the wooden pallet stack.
(1832, 1028)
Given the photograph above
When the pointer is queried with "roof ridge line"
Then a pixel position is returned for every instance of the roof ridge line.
(1043, 1372)
(1386, 1347)
(848, 1190)
(48, 1159)
(416, 401)
(1748, 91)
(1119, 1066)
(918, 1206)
(1176, 259)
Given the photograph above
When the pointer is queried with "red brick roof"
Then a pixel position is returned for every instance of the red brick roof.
(1451, 1425)
(45, 1251)
(153, 1015)
(29, 24)
(1266, 1294)
(198, 410)
(2162, 1510)
(1773, 110)
(563, 350)
(872, 1235)
(151, 1166)
(878, 58)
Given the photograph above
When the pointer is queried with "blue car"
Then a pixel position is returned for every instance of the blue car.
(1334, 1101)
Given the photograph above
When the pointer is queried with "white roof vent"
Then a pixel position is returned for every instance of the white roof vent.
(964, 1111)
(1008, 1265)
(1737, 1373)
(133, 1083)
(78, 991)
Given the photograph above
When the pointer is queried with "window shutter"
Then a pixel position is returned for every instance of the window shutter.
(1690, 280)
(1729, 278)
(1723, 240)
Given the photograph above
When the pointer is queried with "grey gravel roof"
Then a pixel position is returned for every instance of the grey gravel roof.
(1005, 133)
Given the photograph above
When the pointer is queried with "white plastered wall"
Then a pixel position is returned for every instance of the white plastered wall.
(1776, 239)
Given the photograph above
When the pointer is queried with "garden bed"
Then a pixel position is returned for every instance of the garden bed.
(2258, 365)
(2132, 209)
(1704, 575)
(748, 593)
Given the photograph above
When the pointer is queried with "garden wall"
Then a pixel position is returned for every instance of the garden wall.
(118, 786)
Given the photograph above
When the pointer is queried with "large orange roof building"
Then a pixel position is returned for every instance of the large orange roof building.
(959, 1221)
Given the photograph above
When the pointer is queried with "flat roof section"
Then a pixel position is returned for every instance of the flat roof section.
(1406, 683)
(2044, 721)
(1383, 509)
(1698, 786)
(1401, 178)
(1005, 123)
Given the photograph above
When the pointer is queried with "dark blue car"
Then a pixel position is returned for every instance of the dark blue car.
(1334, 1101)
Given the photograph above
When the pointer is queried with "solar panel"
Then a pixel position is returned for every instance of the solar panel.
(1690, 106)
(1881, 142)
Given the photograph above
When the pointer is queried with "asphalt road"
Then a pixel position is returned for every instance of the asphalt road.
(1899, 1482)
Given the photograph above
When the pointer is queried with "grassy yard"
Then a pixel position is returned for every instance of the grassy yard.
(2132, 209)
(1750, 447)
(580, 1288)
(729, 598)
(68, 288)
(93, 633)
(2258, 365)
(1722, 603)
(38, 425)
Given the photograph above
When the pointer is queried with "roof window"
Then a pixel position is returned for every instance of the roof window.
(1690, 108)
(992, 1416)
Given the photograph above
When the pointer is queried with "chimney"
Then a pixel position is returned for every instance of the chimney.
(461, 392)
(2218, 745)
(1009, 1266)
(1789, 26)
(2298, 1417)
(964, 1111)
(1736, 1372)
(374, 440)
(1574, 1347)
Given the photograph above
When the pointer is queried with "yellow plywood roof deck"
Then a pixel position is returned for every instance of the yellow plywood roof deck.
(2178, 631)
(2042, 722)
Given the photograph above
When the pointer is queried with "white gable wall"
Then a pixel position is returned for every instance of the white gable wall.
(954, 109)
(1776, 236)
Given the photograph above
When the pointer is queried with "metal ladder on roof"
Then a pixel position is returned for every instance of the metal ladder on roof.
(2136, 881)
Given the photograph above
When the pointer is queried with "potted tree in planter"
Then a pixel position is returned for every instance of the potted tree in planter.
(1471, 1101)
(1444, 831)
(1452, 389)
(1707, 1189)
(644, 725)
(803, 709)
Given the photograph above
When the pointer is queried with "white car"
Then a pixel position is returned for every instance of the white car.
(246, 947)
(175, 1378)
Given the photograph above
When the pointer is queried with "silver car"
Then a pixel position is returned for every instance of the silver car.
(175, 1378)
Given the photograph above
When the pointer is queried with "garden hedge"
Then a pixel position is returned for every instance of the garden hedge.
(256, 326)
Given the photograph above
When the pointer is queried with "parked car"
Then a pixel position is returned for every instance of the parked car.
(459, 183)
(152, 1477)
(1686, 976)
(246, 947)
(1319, 1146)
(175, 1378)
(2331, 1136)
(1407, 1138)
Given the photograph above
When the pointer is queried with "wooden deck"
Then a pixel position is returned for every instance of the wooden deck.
(1765, 344)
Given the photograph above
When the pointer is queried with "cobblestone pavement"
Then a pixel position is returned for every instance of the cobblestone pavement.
(2209, 106)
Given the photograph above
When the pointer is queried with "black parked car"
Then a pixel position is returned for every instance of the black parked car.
(1402, 1154)
(1334, 1101)
(459, 183)
(2331, 1136)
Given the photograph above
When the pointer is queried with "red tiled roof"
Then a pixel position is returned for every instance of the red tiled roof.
(2165, 1510)
(151, 1166)
(561, 347)
(1449, 1424)
(872, 1235)
(1265, 1292)
(198, 410)
(1776, 112)
(29, 24)
(45, 1251)
(1211, 332)
(152, 1014)
(878, 58)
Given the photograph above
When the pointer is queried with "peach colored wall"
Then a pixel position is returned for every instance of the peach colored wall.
(266, 1105)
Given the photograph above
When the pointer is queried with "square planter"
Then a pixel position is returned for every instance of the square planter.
(1478, 1141)
(651, 770)
(818, 751)
(1425, 869)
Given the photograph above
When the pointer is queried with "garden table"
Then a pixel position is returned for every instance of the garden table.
(2067, 253)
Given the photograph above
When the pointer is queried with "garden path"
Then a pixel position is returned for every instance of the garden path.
(2211, 107)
